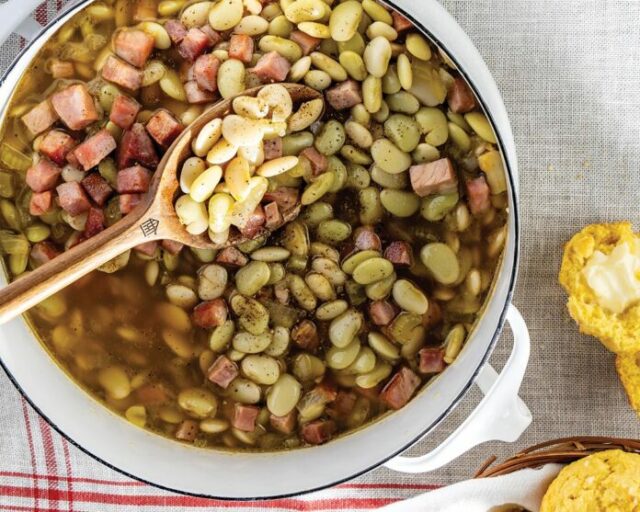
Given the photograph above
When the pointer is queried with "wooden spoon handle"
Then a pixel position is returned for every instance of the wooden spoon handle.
(32, 288)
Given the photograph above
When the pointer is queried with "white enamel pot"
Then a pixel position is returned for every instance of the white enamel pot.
(165, 463)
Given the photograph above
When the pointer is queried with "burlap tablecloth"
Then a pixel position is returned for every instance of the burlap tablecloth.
(570, 75)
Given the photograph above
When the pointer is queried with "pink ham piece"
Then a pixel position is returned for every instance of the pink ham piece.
(213, 36)
(431, 360)
(231, 257)
(133, 46)
(124, 111)
(285, 424)
(187, 431)
(120, 73)
(163, 127)
(97, 188)
(305, 41)
(478, 195)
(75, 106)
(61, 69)
(344, 403)
(400, 23)
(254, 223)
(194, 44)
(244, 417)
(136, 147)
(285, 197)
(205, 72)
(72, 198)
(344, 95)
(176, 31)
(95, 149)
(210, 313)
(55, 145)
(382, 312)
(133, 180)
(399, 253)
(197, 96)
(400, 388)
(318, 431)
(366, 239)
(273, 217)
(318, 161)
(42, 252)
(222, 372)
(272, 67)
(172, 247)
(437, 177)
(40, 202)
(128, 202)
(147, 248)
(42, 176)
(272, 148)
(95, 222)
(241, 48)
(460, 97)
(40, 118)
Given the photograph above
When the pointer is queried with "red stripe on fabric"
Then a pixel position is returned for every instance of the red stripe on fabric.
(17, 508)
(192, 502)
(49, 452)
(27, 422)
(131, 483)
(67, 464)
(41, 14)
(426, 487)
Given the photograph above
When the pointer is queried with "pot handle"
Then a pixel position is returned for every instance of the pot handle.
(16, 17)
(500, 416)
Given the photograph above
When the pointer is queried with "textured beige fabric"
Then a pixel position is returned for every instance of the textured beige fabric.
(570, 75)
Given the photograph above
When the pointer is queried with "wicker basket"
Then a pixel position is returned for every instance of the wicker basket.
(562, 451)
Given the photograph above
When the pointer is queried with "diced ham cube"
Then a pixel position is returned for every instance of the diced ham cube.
(75, 106)
(244, 417)
(437, 177)
(205, 72)
(133, 46)
(305, 335)
(213, 36)
(61, 69)
(272, 67)
(478, 195)
(318, 431)
(172, 247)
(344, 95)
(366, 239)
(42, 176)
(95, 149)
(176, 31)
(231, 257)
(285, 424)
(222, 372)
(254, 223)
(187, 431)
(344, 403)
(273, 217)
(196, 95)
(122, 74)
(399, 253)
(128, 202)
(40, 118)
(318, 161)
(147, 248)
(382, 312)
(399, 390)
(433, 316)
(272, 148)
(210, 313)
(305, 41)
(124, 111)
(461, 98)
(154, 393)
(400, 23)
(163, 127)
(55, 145)
(42, 252)
(431, 360)
(97, 188)
(285, 197)
(72, 198)
(241, 47)
(194, 44)
(95, 222)
(40, 202)
(136, 147)
(133, 180)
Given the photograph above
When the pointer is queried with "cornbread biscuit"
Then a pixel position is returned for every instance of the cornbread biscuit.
(628, 366)
(620, 333)
(606, 481)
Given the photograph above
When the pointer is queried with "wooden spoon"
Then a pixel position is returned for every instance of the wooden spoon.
(154, 219)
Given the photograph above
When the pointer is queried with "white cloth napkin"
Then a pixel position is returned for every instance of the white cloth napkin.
(524, 488)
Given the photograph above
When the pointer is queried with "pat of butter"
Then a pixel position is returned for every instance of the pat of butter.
(615, 278)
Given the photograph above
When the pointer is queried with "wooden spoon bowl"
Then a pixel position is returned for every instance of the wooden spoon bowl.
(153, 219)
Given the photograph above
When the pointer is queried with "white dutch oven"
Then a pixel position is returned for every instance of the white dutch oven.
(109, 438)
